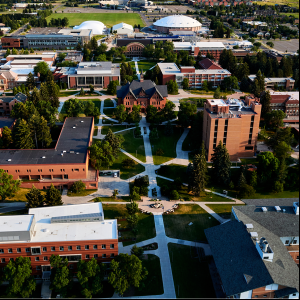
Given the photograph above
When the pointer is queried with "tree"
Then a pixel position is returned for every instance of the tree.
(266, 103)
(18, 273)
(221, 164)
(217, 93)
(73, 107)
(126, 270)
(120, 113)
(137, 251)
(186, 113)
(230, 83)
(274, 119)
(115, 193)
(128, 163)
(112, 87)
(132, 221)
(41, 69)
(132, 208)
(174, 195)
(30, 81)
(82, 92)
(90, 276)
(198, 173)
(101, 154)
(53, 92)
(8, 186)
(168, 111)
(40, 131)
(35, 96)
(34, 198)
(90, 109)
(185, 83)
(53, 197)
(172, 87)
(20, 111)
(115, 141)
(78, 187)
(282, 151)
(134, 116)
(270, 44)
(268, 166)
(260, 80)
(60, 277)
(22, 135)
(6, 137)
(205, 86)
(246, 191)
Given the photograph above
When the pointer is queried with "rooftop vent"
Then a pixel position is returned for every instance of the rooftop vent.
(264, 249)
(43, 156)
(71, 151)
(249, 226)
(74, 126)
(9, 159)
(296, 207)
(264, 209)
(253, 234)
(64, 151)
(81, 121)
(278, 209)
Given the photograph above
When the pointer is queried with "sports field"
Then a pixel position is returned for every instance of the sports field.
(108, 19)
(291, 3)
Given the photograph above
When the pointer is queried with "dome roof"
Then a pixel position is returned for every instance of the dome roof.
(96, 26)
(177, 21)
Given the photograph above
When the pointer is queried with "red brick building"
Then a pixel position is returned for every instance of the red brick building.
(62, 166)
(143, 93)
(233, 122)
(74, 232)
(208, 64)
(7, 103)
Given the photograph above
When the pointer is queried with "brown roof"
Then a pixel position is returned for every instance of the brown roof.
(8, 74)
(208, 64)
(283, 99)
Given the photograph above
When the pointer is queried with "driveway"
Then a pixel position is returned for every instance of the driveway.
(107, 184)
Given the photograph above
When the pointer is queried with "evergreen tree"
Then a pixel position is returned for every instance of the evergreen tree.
(221, 164)
(34, 198)
(53, 196)
(115, 141)
(53, 92)
(282, 172)
(132, 208)
(30, 81)
(198, 174)
(260, 80)
(44, 92)
(35, 96)
(22, 135)
(6, 137)
(242, 180)
(266, 103)
(217, 93)
(40, 131)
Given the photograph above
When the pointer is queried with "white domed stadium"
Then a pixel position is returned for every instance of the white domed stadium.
(177, 22)
(96, 26)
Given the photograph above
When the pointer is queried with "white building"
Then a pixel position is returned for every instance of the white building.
(122, 28)
(96, 26)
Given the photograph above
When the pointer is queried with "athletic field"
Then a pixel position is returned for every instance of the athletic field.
(108, 19)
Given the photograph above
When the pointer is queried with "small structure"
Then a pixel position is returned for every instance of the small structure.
(122, 28)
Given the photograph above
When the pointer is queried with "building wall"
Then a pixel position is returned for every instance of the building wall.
(215, 53)
(263, 293)
(44, 257)
(167, 78)
(295, 256)
(167, 29)
(9, 42)
(134, 49)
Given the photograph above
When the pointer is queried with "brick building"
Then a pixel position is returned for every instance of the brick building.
(74, 232)
(7, 103)
(233, 122)
(143, 93)
(62, 166)
(285, 82)
(208, 64)
(170, 71)
(134, 47)
(257, 252)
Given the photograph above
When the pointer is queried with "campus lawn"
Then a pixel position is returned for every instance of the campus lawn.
(111, 199)
(296, 15)
(81, 194)
(146, 227)
(153, 282)
(203, 92)
(166, 143)
(15, 212)
(109, 112)
(186, 196)
(109, 19)
(191, 276)
(146, 65)
(108, 103)
(67, 93)
(114, 128)
(134, 146)
(95, 130)
(198, 101)
(19, 196)
(223, 210)
(176, 224)
(125, 173)
(261, 194)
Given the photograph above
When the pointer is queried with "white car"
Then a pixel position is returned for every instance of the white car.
(115, 175)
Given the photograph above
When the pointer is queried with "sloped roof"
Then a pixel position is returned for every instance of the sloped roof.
(96, 26)
(208, 64)
(136, 86)
(177, 21)
(122, 26)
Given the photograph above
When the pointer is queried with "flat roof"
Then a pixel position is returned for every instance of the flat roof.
(273, 79)
(32, 56)
(45, 231)
(169, 68)
(293, 95)
(76, 32)
(72, 140)
(219, 102)
(98, 67)
(15, 223)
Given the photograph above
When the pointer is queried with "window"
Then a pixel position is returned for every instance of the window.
(37, 258)
(27, 249)
(96, 256)
(70, 248)
(71, 267)
(1, 251)
(45, 257)
(112, 255)
(286, 242)
(294, 241)
(11, 259)
(71, 258)
(103, 246)
(35, 250)
(95, 247)
(87, 256)
(61, 248)
(86, 247)
(38, 268)
(78, 248)
(19, 250)
(103, 255)
(2, 260)
(44, 249)
(52, 248)
(10, 250)
(248, 147)
(112, 246)
(297, 258)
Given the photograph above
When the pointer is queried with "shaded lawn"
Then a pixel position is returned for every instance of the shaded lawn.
(146, 227)
(203, 92)
(125, 173)
(261, 194)
(67, 93)
(109, 112)
(108, 103)
(95, 131)
(198, 101)
(191, 277)
(185, 195)
(114, 128)
(111, 199)
(83, 193)
(176, 224)
(109, 19)
(20, 195)
(166, 143)
(15, 212)
(173, 171)
(223, 210)
(134, 146)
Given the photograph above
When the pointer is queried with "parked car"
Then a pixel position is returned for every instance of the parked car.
(101, 173)
(115, 175)
(108, 173)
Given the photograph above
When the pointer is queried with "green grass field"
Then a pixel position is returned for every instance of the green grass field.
(291, 3)
(223, 210)
(114, 128)
(108, 19)
(146, 65)
(296, 15)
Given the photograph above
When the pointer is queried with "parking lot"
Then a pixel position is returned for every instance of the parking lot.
(283, 45)
(178, 9)
(107, 184)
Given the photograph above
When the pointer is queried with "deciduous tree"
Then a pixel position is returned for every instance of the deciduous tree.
(78, 187)
(115, 141)
(132, 208)
(73, 107)
(8, 186)
(101, 154)
(120, 113)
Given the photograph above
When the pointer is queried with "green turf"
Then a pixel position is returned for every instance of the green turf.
(223, 210)
(114, 128)
(145, 227)
(191, 276)
(176, 224)
(108, 103)
(125, 173)
(134, 146)
(81, 194)
(261, 194)
(198, 101)
(111, 199)
(109, 112)
(67, 93)
(109, 19)
(173, 171)
(166, 143)
(146, 65)
(296, 15)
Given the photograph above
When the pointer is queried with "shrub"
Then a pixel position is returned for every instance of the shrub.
(159, 152)
(278, 187)
(78, 187)
(128, 163)
(174, 195)
(246, 191)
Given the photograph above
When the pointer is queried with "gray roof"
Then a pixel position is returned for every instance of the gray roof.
(72, 140)
(6, 99)
(6, 122)
(235, 253)
(135, 87)
(19, 97)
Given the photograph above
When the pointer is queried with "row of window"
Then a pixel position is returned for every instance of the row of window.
(45, 258)
(37, 250)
